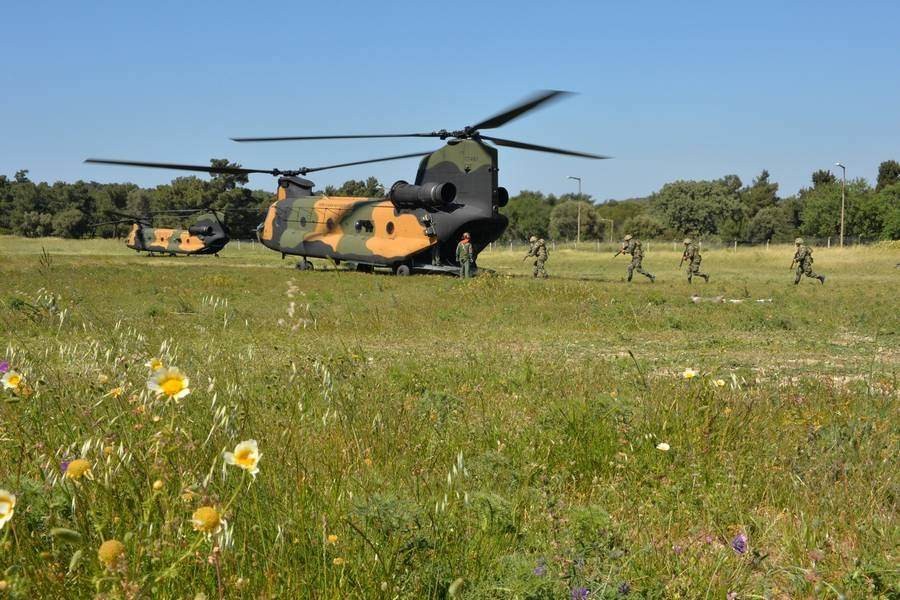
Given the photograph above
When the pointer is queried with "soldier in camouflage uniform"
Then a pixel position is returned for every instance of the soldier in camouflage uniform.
(539, 251)
(804, 260)
(632, 246)
(465, 255)
(693, 258)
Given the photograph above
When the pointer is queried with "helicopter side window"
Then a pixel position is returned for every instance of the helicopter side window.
(364, 224)
(302, 221)
(390, 228)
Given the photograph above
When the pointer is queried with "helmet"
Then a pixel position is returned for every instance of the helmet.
(533, 239)
(628, 237)
(798, 241)
(687, 241)
(466, 235)
(541, 241)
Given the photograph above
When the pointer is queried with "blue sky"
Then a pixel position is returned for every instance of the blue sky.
(672, 90)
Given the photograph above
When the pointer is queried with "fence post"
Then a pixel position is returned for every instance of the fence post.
(829, 242)
(767, 245)
(735, 246)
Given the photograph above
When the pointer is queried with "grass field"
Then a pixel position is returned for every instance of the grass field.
(428, 437)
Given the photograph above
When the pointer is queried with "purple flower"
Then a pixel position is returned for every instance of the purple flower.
(540, 570)
(739, 543)
(677, 550)
(64, 466)
(4, 366)
(580, 593)
(624, 588)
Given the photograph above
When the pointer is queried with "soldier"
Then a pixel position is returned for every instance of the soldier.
(692, 255)
(632, 246)
(804, 260)
(465, 255)
(539, 251)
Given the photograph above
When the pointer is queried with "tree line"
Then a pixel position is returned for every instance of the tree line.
(724, 208)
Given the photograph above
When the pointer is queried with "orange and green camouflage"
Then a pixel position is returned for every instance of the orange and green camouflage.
(206, 235)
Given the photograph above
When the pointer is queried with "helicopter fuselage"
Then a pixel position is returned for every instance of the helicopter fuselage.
(205, 236)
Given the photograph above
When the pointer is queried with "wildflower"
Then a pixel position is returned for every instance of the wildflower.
(624, 588)
(246, 456)
(154, 364)
(580, 593)
(540, 570)
(4, 366)
(78, 468)
(663, 446)
(116, 392)
(12, 380)
(7, 506)
(169, 381)
(332, 539)
(158, 485)
(689, 374)
(739, 543)
(678, 550)
(110, 553)
(731, 596)
(719, 383)
(207, 520)
(102, 379)
(338, 561)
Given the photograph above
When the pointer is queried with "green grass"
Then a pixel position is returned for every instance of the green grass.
(499, 433)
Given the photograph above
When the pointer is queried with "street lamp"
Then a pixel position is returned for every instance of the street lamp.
(578, 222)
(843, 197)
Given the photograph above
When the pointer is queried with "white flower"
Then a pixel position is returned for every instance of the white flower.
(719, 382)
(663, 446)
(689, 374)
(7, 506)
(246, 456)
(12, 380)
(169, 382)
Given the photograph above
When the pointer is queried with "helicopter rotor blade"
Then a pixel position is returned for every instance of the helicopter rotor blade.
(520, 109)
(330, 137)
(304, 171)
(537, 148)
(182, 167)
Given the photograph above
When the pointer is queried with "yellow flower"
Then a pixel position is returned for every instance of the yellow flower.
(158, 484)
(110, 552)
(332, 539)
(116, 392)
(154, 364)
(102, 379)
(719, 382)
(663, 446)
(689, 374)
(338, 561)
(7, 506)
(246, 456)
(78, 468)
(12, 380)
(169, 382)
(207, 520)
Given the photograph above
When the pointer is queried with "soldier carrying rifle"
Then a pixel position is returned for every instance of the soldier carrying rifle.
(632, 246)
(538, 250)
(692, 255)
(804, 260)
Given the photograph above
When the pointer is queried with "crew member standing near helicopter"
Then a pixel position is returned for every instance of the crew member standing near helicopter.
(693, 258)
(464, 256)
(632, 246)
(539, 251)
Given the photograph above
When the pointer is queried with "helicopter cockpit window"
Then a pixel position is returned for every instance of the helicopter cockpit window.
(364, 225)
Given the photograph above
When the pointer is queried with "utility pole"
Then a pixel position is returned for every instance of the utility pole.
(578, 222)
(843, 198)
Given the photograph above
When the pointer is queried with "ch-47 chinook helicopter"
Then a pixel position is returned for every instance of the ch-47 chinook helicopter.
(415, 227)
(206, 234)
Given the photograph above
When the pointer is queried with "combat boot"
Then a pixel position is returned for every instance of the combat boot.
(706, 278)
(652, 278)
(822, 279)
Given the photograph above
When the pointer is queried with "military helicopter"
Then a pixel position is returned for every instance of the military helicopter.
(415, 227)
(206, 234)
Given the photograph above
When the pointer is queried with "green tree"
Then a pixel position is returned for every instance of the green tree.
(888, 174)
(759, 195)
(698, 207)
(822, 177)
(370, 188)
(564, 219)
(645, 226)
(821, 213)
(889, 199)
(620, 211)
(529, 214)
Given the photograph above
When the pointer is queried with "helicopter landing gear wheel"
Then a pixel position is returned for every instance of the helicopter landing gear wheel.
(402, 271)
(304, 265)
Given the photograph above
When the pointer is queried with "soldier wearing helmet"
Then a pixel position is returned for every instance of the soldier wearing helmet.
(632, 246)
(804, 260)
(693, 258)
(465, 255)
(538, 250)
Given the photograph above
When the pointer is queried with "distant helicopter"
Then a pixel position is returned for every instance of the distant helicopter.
(206, 234)
(416, 227)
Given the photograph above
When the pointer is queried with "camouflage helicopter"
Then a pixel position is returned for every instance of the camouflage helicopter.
(206, 234)
(415, 227)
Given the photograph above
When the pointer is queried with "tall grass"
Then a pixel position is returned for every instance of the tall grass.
(430, 437)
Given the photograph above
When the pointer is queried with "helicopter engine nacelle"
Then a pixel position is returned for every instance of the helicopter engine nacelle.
(202, 230)
(427, 195)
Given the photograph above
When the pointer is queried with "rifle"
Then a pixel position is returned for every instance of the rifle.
(621, 250)
(682, 261)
